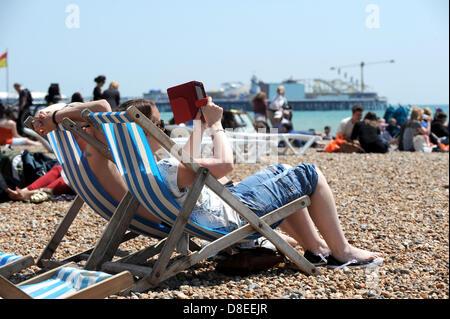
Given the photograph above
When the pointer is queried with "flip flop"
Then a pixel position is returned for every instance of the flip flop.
(335, 264)
(317, 260)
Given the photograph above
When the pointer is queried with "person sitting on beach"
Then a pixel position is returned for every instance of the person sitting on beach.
(440, 129)
(367, 134)
(326, 132)
(392, 128)
(54, 182)
(346, 126)
(414, 134)
(255, 191)
(8, 131)
(427, 113)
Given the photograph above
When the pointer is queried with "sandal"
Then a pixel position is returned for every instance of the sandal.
(41, 195)
(333, 263)
(318, 260)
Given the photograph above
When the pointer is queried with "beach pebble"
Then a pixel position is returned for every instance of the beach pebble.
(386, 202)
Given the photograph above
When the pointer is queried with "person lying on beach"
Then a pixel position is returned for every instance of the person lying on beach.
(54, 182)
(9, 134)
(262, 192)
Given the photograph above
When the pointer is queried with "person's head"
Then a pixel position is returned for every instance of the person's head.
(327, 130)
(100, 80)
(441, 117)
(114, 85)
(149, 109)
(259, 98)
(17, 87)
(371, 119)
(262, 126)
(427, 111)
(392, 121)
(416, 114)
(357, 111)
(281, 90)
(77, 97)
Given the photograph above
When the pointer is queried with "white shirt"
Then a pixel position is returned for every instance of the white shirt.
(346, 127)
(278, 103)
(209, 211)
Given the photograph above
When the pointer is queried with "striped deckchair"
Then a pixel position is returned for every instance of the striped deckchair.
(10, 264)
(84, 182)
(124, 132)
(67, 282)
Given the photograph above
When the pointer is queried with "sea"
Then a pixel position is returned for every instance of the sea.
(317, 120)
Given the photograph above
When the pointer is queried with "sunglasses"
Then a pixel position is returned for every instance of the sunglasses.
(159, 124)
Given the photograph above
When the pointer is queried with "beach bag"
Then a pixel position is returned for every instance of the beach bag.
(249, 261)
(389, 113)
(8, 178)
(35, 165)
(348, 147)
(401, 114)
(421, 143)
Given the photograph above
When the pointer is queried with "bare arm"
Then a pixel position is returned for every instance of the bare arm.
(221, 163)
(43, 120)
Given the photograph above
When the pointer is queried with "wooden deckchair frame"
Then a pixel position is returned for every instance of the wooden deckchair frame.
(102, 289)
(115, 231)
(162, 270)
(102, 251)
(17, 265)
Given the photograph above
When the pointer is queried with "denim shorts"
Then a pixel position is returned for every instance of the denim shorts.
(276, 186)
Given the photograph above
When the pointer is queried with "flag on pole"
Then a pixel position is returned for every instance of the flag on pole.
(3, 60)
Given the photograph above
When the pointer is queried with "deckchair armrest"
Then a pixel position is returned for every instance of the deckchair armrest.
(10, 291)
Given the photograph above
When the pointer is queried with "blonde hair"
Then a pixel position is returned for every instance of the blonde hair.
(416, 112)
(114, 85)
(281, 90)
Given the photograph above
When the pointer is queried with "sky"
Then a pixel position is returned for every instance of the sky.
(157, 44)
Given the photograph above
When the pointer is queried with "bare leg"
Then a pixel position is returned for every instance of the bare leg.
(300, 227)
(324, 214)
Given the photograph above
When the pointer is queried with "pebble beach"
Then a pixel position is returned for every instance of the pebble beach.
(395, 203)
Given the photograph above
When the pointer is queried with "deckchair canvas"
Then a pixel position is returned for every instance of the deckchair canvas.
(11, 264)
(136, 164)
(84, 183)
(67, 282)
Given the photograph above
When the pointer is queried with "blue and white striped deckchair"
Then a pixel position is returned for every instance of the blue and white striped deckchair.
(137, 166)
(84, 182)
(135, 161)
(10, 264)
(68, 282)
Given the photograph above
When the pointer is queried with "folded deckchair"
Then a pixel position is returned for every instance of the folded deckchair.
(11, 264)
(84, 182)
(67, 282)
(134, 158)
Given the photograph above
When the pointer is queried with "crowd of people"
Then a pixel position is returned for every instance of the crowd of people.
(420, 132)
(12, 117)
(278, 115)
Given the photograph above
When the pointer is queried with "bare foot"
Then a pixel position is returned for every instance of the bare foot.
(291, 241)
(19, 194)
(353, 253)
